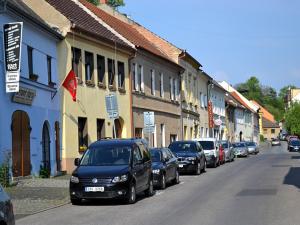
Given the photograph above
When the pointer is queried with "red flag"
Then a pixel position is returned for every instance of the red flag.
(70, 83)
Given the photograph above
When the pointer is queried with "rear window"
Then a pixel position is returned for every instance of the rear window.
(250, 144)
(239, 145)
(225, 145)
(155, 155)
(207, 145)
(295, 142)
(182, 147)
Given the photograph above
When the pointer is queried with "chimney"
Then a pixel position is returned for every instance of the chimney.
(103, 1)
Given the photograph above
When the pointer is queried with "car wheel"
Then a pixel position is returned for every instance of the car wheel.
(131, 197)
(176, 179)
(75, 201)
(150, 191)
(204, 167)
(163, 182)
(198, 169)
(215, 164)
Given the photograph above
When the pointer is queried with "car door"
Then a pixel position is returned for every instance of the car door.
(147, 166)
(166, 162)
(138, 168)
(201, 154)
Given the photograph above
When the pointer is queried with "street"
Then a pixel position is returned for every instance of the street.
(262, 189)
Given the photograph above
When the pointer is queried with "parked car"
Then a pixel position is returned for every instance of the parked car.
(222, 157)
(164, 167)
(6, 209)
(229, 152)
(211, 150)
(252, 147)
(116, 168)
(275, 142)
(190, 156)
(240, 149)
(292, 137)
(294, 145)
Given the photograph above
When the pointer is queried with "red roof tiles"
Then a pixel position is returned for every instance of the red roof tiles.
(240, 100)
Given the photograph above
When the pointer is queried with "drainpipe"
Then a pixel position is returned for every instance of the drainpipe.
(130, 92)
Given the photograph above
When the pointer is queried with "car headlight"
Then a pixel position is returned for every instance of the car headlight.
(119, 179)
(74, 179)
(191, 158)
(156, 171)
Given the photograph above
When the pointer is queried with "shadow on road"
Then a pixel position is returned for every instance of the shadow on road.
(293, 177)
(295, 157)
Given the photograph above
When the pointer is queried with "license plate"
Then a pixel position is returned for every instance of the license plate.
(94, 189)
(180, 166)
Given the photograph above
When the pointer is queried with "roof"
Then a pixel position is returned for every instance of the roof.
(269, 124)
(265, 113)
(20, 7)
(125, 141)
(85, 22)
(127, 30)
(241, 101)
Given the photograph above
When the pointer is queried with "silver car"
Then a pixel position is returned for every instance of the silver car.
(229, 151)
(6, 209)
(240, 149)
(252, 147)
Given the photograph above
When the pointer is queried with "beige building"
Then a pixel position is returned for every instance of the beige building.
(270, 129)
(99, 56)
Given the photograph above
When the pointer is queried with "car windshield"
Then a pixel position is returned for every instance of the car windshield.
(155, 155)
(207, 145)
(225, 145)
(295, 142)
(107, 156)
(239, 145)
(182, 147)
(250, 144)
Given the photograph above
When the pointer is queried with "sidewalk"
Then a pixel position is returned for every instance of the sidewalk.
(33, 195)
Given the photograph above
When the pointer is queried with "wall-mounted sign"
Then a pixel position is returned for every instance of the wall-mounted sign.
(12, 54)
(218, 122)
(112, 106)
(24, 96)
(210, 115)
(149, 122)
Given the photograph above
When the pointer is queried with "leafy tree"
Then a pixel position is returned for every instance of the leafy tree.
(283, 91)
(115, 3)
(292, 119)
(95, 2)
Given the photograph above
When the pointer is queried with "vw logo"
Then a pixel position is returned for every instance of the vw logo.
(95, 180)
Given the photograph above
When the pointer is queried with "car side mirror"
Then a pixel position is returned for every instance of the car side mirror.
(77, 162)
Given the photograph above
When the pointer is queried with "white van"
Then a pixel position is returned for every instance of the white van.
(211, 150)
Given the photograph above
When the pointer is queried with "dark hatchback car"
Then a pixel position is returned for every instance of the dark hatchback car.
(190, 156)
(294, 145)
(164, 167)
(6, 209)
(116, 168)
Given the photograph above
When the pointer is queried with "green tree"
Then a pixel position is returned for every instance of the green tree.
(95, 2)
(115, 3)
(292, 119)
(251, 89)
(283, 91)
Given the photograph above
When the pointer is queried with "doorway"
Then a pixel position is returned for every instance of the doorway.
(21, 165)
(46, 147)
(118, 128)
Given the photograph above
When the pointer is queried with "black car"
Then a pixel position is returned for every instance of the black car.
(190, 156)
(164, 167)
(116, 168)
(6, 209)
(294, 145)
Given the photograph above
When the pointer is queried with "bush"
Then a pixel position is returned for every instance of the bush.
(44, 172)
(4, 175)
(261, 138)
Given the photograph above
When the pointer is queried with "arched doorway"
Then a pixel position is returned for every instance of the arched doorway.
(21, 165)
(118, 128)
(46, 146)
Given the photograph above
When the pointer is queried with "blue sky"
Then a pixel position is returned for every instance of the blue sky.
(232, 39)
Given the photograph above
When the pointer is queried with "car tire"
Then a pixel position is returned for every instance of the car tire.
(198, 169)
(131, 197)
(163, 182)
(176, 179)
(204, 167)
(150, 191)
(75, 201)
(215, 164)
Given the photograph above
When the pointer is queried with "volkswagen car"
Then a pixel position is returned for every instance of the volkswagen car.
(116, 168)
(294, 145)
(252, 147)
(240, 149)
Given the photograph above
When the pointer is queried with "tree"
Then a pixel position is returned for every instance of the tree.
(115, 3)
(251, 89)
(283, 91)
(292, 119)
(95, 2)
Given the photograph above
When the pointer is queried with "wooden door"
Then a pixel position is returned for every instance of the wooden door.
(21, 144)
(57, 145)
(46, 147)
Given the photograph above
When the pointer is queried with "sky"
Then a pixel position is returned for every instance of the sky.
(232, 39)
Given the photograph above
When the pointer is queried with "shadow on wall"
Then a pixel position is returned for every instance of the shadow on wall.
(293, 177)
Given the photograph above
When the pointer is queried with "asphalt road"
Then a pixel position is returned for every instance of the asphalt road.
(260, 190)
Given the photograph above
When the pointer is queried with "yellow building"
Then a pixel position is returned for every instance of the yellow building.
(99, 57)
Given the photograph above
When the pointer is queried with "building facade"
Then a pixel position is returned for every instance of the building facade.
(30, 119)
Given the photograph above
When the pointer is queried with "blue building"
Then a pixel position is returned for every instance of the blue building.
(30, 119)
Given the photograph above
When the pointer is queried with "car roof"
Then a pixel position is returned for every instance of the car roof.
(188, 142)
(205, 139)
(123, 141)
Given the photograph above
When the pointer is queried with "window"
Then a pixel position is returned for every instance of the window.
(140, 78)
(30, 62)
(265, 131)
(272, 131)
(176, 90)
(76, 61)
(163, 135)
(100, 129)
(49, 69)
(101, 68)
(145, 154)
(152, 82)
(207, 132)
(82, 134)
(121, 75)
(89, 66)
(138, 132)
(134, 77)
(171, 88)
(205, 101)
(202, 132)
(173, 137)
(111, 72)
(137, 156)
(161, 84)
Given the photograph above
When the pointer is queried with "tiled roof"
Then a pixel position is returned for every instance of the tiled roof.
(240, 100)
(84, 21)
(269, 124)
(126, 30)
(265, 113)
